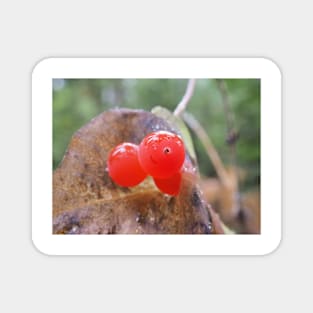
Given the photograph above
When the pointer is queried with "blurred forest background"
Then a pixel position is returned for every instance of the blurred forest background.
(76, 101)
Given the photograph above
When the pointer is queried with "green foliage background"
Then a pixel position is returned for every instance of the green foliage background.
(76, 101)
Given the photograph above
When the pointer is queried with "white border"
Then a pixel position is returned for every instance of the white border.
(50, 244)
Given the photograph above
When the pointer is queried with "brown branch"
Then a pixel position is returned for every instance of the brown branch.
(210, 149)
(230, 118)
(232, 136)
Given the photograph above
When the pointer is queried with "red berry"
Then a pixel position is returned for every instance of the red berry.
(161, 154)
(170, 185)
(124, 167)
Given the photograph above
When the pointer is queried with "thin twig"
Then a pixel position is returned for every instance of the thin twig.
(230, 119)
(210, 149)
(187, 96)
(232, 136)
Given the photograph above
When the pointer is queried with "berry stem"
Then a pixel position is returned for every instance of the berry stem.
(186, 98)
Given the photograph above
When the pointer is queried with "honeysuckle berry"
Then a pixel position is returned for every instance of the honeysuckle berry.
(169, 185)
(123, 165)
(161, 154)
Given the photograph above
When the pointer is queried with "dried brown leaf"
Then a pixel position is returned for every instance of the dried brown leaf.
(86, 200)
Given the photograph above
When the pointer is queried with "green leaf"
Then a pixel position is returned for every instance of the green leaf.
(180, 125)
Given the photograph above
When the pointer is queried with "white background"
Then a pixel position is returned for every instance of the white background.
(42, 100)
(32, 30)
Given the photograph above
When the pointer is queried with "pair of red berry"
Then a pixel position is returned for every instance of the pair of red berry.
(160, 154)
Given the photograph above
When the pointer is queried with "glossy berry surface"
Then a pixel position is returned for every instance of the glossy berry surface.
(161, 154)
(124, 167)
(169, 185)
